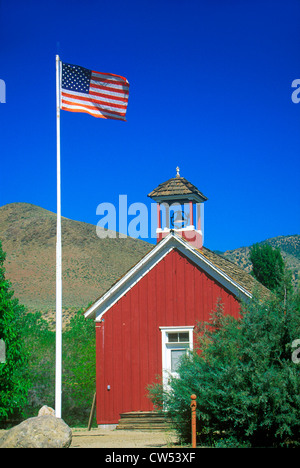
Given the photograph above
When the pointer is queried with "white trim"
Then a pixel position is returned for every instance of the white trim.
(190, 197)
(166, 349)
(190, 227)
(177, 329)
(106, 301)
(170, 242)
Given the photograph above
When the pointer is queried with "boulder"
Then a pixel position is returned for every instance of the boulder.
(46, 410)
(40, 432)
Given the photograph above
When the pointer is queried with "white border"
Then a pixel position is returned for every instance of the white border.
(165, 350)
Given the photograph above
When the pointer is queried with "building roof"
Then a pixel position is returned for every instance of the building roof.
(235, 272)
(177, 187)
(231, 276)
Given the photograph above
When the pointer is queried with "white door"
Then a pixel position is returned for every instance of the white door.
(176, 342)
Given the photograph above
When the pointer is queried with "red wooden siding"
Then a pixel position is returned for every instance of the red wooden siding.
(129, 355)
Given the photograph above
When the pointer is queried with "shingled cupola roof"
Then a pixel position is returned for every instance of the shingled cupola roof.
(177, 187)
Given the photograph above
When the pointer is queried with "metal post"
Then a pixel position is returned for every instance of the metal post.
(58, 332)
(193, 414)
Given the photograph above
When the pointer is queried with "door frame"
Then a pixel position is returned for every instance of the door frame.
(167, 347)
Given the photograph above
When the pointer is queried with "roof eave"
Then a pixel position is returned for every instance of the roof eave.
(188, 196)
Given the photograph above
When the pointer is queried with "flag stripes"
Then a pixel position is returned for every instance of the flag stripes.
(95, 100)
(102, 95)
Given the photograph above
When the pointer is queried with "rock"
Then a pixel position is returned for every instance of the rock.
(46, 410)
(40, 432)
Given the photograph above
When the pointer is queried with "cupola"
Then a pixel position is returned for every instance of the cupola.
(180, 208)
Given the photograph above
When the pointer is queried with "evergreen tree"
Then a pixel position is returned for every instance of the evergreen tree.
(269, 269)
(13, 385)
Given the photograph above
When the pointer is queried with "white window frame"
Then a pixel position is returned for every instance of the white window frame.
(167, 348)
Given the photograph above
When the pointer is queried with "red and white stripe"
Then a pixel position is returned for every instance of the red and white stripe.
(107, 97)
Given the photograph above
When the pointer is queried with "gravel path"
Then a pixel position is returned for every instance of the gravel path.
(97, 438)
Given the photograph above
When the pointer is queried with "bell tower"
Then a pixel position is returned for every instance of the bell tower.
(180, 208)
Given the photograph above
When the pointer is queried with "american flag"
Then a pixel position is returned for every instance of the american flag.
(100, 94)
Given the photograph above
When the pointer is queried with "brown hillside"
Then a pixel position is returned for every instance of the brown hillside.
(90, 264)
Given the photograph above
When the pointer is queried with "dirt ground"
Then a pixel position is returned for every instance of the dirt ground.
(99, 438)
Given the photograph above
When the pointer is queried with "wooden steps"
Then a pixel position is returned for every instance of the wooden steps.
(144, 421)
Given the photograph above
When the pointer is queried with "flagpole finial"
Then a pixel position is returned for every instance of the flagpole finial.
(177, 170)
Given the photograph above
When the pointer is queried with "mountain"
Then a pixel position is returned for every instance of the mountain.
(288, 245)
(90, 265)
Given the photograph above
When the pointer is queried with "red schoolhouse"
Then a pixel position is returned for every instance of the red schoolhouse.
(146, 321)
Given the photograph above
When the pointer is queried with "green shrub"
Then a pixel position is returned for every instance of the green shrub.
(78, 372)
(155, 393)
(247, 386)
(40, 370)
(79, 369)
(13, 384)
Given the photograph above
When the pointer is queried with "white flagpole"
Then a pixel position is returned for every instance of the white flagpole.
(58, 362)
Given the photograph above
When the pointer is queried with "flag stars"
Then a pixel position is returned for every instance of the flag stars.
(75, 78)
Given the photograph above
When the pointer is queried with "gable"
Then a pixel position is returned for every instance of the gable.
(153, 258)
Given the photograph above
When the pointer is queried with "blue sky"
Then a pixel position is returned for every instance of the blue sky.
(210, 91)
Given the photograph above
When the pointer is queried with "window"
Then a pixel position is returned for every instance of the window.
(181, 337)
(176, 355)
